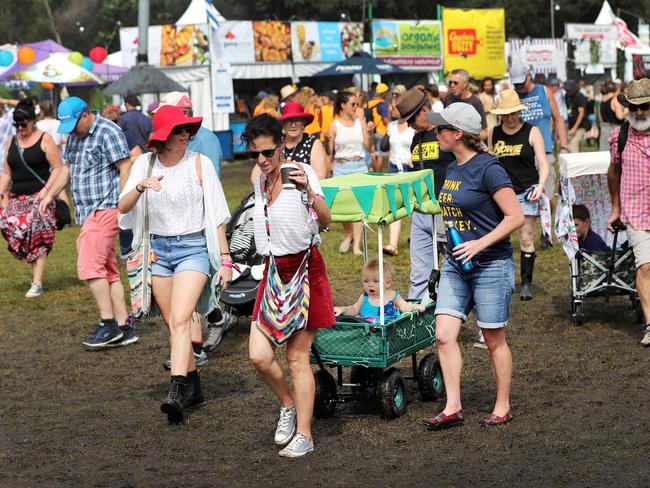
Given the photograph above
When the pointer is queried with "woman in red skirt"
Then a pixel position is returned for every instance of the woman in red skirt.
(286, 226)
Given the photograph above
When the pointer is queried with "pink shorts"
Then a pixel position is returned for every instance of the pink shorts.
(96, 246)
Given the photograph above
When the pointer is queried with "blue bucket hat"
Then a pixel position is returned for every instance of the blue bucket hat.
(69, 112)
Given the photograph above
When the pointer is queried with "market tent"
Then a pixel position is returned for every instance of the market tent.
(361, 63)
(57, 69)
(143, 79)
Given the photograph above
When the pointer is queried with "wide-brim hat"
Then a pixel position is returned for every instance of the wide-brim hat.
(295, 110)
(287, 90)
(508, 103)
(638, 92)
(166, 118)
(411, 102)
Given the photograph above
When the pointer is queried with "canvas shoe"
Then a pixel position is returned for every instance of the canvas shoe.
(34, 291)
(480, 341)
(646, 337)
(298, 447)
(104, 334)
(286, 428)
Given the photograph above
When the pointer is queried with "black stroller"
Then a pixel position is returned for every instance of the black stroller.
(239, 297)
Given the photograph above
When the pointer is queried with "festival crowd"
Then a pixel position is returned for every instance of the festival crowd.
(152, 180)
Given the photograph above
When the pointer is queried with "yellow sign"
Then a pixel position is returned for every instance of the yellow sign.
(475, 41)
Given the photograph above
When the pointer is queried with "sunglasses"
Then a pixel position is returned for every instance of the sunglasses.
(22, 125)
(179, 129)
(643, 107)
(354, 104)
(441, 128)
(267, 153)
(452, 82)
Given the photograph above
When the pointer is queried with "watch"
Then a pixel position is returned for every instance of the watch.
(304, 197)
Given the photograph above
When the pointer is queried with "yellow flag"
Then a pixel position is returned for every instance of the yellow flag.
(474, 40)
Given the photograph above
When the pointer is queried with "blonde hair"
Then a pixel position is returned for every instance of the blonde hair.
(373, 265)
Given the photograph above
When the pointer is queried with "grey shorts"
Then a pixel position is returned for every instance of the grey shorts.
(640, 241)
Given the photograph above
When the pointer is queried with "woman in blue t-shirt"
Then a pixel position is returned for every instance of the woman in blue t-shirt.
(478, 199)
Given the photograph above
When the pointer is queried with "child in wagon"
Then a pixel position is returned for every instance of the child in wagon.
(367, 306)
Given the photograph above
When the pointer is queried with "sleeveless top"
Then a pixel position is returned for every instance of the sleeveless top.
(301, 152)
(370, 312)
(517, 156)
(608, 115)
(539, 113)
(348, 144)
(177, 209)
(23, 182)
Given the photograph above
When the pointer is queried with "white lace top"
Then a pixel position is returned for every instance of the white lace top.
(177, 209)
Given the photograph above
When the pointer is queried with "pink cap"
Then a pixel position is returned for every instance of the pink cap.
(176, 99)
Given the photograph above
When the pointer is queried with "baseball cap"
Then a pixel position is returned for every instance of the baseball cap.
(518, 73)
(382, 88)
(69, 112)
(459, 114)
(175, 99)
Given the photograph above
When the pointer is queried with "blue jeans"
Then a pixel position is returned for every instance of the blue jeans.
(174, 254)
(349, 167)
(487, 289)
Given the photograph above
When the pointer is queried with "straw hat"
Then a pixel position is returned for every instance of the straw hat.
(508, 103)
(287, 90)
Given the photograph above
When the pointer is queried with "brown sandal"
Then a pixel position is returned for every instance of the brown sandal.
(390, 249)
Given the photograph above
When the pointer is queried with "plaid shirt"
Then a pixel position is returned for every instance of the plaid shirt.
(7, 130)
(95, 178)
(635, 177)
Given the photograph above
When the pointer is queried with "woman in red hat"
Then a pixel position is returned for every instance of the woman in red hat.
(187, 213)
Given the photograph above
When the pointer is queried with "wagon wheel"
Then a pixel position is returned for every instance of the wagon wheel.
(391, 392)
(325, 398)
(430, 381)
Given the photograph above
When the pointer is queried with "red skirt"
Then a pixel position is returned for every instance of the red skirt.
(321, 305)
(29, 233)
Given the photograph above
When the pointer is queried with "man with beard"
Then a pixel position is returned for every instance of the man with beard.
(628, 179)
(413, 107)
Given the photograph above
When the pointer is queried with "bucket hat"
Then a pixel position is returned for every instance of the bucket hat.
(638, 92)
(294, 110)
(461, 115)
(166, 118)
(508, 103)
(408, 104)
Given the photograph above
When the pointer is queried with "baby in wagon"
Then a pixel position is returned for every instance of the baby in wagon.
(367, 306)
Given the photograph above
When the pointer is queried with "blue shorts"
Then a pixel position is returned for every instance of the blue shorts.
(349, 167)
(174, 254)
(487, 289)
(531, 209)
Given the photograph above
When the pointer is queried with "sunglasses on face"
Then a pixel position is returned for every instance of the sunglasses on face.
(354, 104)
(267, 153)
(441, 128)
(643, 107)
(452, 82)
(179, 129)
(21, 125)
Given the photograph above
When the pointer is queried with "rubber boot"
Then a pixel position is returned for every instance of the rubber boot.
(527, 266)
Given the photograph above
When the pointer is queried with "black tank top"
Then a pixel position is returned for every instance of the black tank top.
(23, 182)
(608, 115)
(301, 152)
(517, 156)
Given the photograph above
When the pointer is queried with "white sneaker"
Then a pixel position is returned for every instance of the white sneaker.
(646, 337)
(34, 291)
(298, 447)
(480, 341)
(286, 426)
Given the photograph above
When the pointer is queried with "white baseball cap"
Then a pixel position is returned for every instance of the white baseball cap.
(518, 73)
(460, 115)
(175, 99)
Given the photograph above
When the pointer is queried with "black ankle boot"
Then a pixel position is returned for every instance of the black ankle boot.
(527, 266)
(172, 405)
(194, 394)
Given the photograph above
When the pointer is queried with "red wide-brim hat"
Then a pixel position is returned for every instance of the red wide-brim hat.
(294, 110)
(166, 118)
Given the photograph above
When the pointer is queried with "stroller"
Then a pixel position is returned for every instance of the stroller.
(583, 180)
(248, 265)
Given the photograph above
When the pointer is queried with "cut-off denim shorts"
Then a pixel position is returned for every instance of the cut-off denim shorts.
(174, 254)
(349, 167)
(531, 209)
(487, 289)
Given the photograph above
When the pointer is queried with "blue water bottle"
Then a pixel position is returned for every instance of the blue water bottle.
(454, 239)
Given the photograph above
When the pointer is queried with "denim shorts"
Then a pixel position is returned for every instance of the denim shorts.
(531, 209)
(487, 289)
(174, 254)
(349, 167)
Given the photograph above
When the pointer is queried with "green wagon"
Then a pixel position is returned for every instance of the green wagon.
(370, 350)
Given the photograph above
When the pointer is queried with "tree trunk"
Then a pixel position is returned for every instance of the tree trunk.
(48, 11)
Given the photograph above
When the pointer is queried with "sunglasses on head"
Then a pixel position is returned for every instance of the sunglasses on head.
(643, 107)
(22, 125)
(182, 128)
(267, 153)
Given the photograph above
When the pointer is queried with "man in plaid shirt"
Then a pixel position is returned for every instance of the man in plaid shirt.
(628, 179)
(99, 164)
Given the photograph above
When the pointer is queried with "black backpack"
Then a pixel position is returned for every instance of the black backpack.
(622, 137)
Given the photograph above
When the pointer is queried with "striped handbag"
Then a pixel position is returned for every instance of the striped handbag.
(285, 306)
(138, 264)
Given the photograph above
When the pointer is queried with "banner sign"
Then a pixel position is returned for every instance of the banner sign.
(409, 43)
(314, 42)
(234, 42)
(272, 41)
(546, 56)
(474, 40)
(593, 44)
(184, 45)
(223, 94)
(640, 66)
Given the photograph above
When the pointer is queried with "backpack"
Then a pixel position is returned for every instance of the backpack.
(622, 137)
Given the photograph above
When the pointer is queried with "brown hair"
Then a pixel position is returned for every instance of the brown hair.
(157, 146)
(581, 212)
(472, 142)
(373, 265)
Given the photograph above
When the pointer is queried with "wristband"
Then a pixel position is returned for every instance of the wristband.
(226, 265)
(137, 187)
(564, 148)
